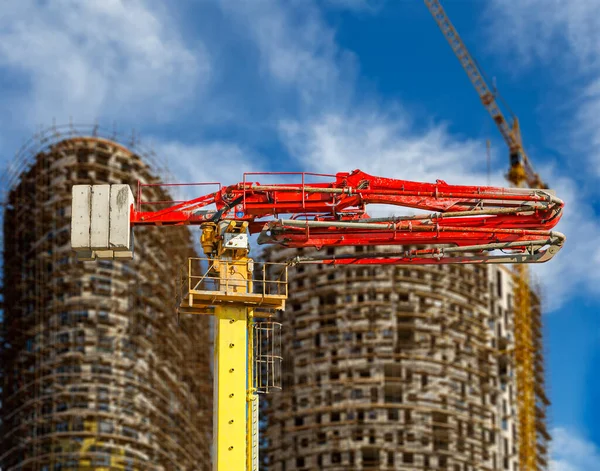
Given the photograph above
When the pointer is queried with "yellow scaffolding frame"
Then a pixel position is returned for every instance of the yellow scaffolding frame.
(524, 369)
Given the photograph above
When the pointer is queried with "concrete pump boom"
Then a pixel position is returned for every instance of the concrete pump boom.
(463, 224)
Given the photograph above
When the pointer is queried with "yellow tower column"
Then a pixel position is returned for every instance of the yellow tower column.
(230, 359)
(235, 413)
(525, 371)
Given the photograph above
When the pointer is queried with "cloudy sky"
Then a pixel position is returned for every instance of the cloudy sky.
(220, 87)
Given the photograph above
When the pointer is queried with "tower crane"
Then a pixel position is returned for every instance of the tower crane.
(456, 224)
(520, 174)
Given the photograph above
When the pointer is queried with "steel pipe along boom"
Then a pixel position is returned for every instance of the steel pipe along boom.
(478, 224)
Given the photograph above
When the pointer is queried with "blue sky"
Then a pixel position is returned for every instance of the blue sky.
(220, 87)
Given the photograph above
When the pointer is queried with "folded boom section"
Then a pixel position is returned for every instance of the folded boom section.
(457, 223)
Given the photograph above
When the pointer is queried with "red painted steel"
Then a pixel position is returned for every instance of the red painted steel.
(335, 213)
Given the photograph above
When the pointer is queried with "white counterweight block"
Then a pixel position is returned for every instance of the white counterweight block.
(101, 222)
(120, 233)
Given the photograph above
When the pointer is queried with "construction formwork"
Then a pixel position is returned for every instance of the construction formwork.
(98, 370)
(395, 367)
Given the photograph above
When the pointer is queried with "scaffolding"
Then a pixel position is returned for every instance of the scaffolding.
(406, 367)
(98, 371)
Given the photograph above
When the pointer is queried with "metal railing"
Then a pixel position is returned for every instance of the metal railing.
(165, 189)
(266, 279)
(302, 177)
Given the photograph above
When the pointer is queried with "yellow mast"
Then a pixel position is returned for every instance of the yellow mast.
(227, 284)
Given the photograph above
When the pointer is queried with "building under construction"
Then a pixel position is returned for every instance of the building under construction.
(97, 370)
(399, 367)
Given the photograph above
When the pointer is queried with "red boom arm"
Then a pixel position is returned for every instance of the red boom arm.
(464, 223)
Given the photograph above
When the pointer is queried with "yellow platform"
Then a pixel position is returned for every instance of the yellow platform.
(201, 300)
(207, 282)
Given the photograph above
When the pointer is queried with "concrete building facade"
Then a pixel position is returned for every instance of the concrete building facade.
(396, 367)
(98, 372)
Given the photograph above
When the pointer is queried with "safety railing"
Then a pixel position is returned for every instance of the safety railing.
(161, 194)
(301, 178)
(208, 282)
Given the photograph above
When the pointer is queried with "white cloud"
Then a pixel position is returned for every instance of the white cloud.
(297, 50)
(560, 465)
(571, 452)
(369, 6)
(541, 30)
(88, 59)
(563, 35)
(586, 132)
(215, 161)
(384, 145)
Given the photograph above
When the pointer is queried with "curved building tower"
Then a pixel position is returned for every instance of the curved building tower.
(395, 367)
(97, 370)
